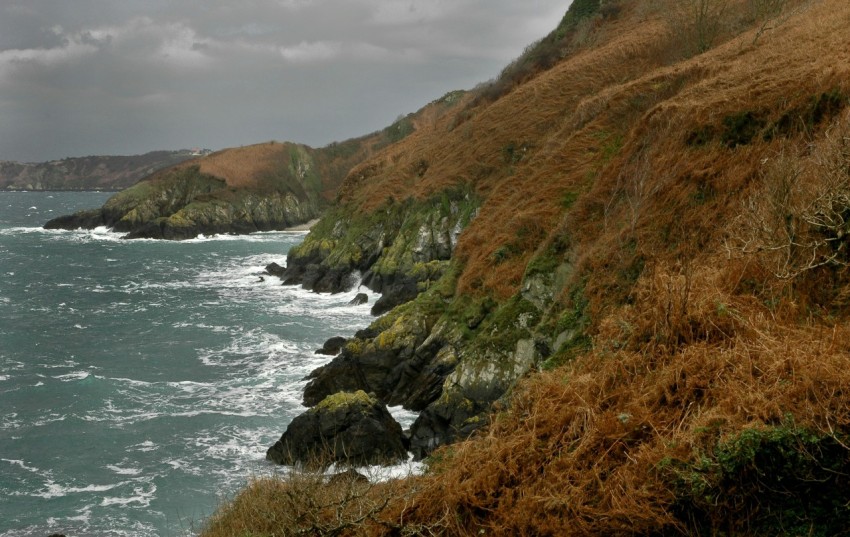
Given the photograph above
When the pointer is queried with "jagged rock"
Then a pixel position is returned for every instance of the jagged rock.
(399, 253)
(404, 364)
(89, 219)
(360, 298)
(449, 419)
(395, 290)
(353, 428)
(332, 346)
(275, 270)
(467, 394)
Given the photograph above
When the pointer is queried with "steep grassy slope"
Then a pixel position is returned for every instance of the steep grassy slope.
(86, 173)
(657, 239)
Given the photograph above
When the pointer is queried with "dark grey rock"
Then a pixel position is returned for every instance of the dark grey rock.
(351, 428)
(332, 346)
(408, 375)
(89, 219)
(360, 298)
(275, 270)
(447, 420)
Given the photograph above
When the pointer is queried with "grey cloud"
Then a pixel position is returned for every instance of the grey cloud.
(103, 77)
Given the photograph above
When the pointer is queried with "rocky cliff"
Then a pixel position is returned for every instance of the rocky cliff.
(515, 222)
(625, 264)
(87, 173)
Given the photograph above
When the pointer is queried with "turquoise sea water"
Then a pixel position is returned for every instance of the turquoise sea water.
(142, 381)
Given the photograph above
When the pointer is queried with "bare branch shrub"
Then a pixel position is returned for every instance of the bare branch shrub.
(314, 503)
(799, 220)
(696, 24)
(769, 14)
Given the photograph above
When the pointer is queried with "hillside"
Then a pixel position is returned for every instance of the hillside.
(261, 187)
(86, 173)
(624, 264)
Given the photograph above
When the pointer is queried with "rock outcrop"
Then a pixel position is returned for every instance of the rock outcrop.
(452, 359)
(398, 251)
(183, 203)
(352, 428)
(262, 187)
(332, 346)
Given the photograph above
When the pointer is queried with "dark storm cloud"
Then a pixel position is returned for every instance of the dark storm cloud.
(82, 77)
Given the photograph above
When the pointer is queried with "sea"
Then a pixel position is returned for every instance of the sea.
(142, 381)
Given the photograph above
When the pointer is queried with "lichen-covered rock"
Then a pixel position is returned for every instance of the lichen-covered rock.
(400, 249)
(402, 359)
(479, 380)
(348, 427)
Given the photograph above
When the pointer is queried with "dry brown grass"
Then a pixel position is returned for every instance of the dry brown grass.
(244, 166)
(642, 167)
(309, 503)
(611, 112)
(582, 449)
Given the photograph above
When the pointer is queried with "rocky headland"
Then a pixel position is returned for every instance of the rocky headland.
(262, 187)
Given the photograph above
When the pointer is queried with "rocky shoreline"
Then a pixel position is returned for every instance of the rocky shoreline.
(446, 357)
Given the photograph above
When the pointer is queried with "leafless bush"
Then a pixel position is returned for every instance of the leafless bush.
(799, 220)
(770, 14)
(697, 24)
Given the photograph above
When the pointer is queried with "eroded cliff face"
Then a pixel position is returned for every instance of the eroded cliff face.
(450, 357)
(399, 250)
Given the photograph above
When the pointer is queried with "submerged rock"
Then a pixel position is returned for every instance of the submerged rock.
(360, 298)
(352, 428)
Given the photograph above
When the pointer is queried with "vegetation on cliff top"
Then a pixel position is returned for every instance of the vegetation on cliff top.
(669, 200)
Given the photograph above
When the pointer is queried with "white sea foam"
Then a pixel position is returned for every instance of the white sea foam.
(55, 490)
(76, 375)
(123, 471)
(404, 417)
(22, 465)
(67, 364)
(140, 496)
(4, 377)
(145, 446)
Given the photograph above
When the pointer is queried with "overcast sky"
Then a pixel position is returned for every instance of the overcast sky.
(97, 77)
